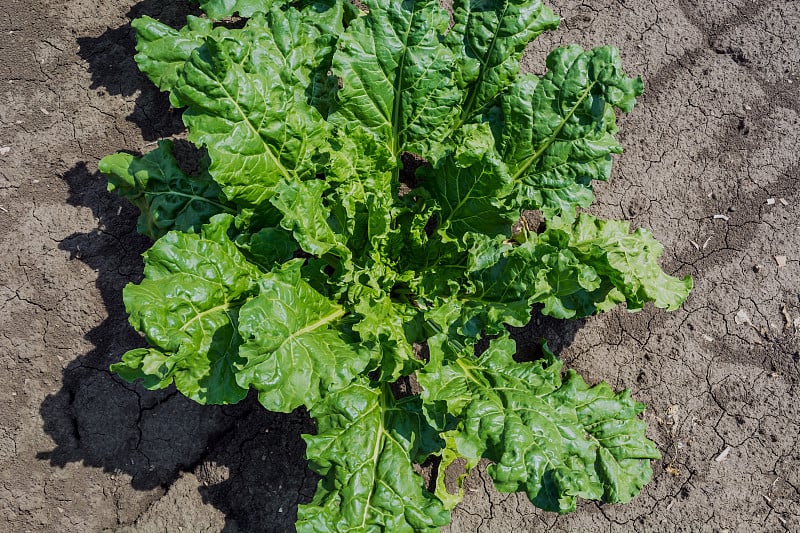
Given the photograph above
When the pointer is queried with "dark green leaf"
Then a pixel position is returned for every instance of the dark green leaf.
(167, 198)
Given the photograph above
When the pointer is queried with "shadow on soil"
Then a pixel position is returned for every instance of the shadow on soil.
(113, 69)
(249, 462)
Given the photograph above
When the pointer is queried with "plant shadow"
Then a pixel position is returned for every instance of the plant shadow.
(111, 64)
(249, 462)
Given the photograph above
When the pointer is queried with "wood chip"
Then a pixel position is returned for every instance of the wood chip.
(697, 246)
(708, 338)
(724, 455)
(4, 150)
(705, 244)
(781, 260)
(783, 201)
(722, 217)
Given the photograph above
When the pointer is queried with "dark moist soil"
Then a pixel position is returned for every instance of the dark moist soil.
(712, 167)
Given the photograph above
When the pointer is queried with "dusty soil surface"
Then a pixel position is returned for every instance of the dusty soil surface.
(712, 167)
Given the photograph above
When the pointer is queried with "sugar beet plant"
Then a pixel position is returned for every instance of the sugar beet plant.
(302, 261)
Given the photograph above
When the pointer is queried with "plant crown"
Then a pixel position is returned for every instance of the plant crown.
(296, 262)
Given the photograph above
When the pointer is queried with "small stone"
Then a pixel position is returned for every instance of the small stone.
(742, 318)
(770, 201)
(780, 260)
(724, 455)
(4, 150)
(732, 209)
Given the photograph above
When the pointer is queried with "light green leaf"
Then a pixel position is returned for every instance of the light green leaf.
(364, 448)
(187, 306)
(162, 50)
(220, 9)
(307, 218)
(488, 39)
(555, 441)
(396, 76)
(167, 198)
(294, 352)
(363, 197)
(628, 261)
(301, 42)
(256, 125)
(558, 130)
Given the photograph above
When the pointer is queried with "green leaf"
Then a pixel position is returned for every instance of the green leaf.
(364, 448)
(363, 197)
(558, 130)
(163, 51)
(577, 267)
(301, 42)
(220, 9)
(268, 246)
(469, 185)
(257, 126)
(555, 441)
(383, 329)
(187, 306)
(488, 39)
(628, 261)
(396, 76)
(167, 198)
(306, 217)
(294, 352)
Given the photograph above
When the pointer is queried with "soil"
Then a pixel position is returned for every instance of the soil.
(712, 167)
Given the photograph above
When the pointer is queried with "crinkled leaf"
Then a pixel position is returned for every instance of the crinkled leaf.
(293, 351)
(187, 306)
(300, 42)
(167, 198)
(488, 39)
(627, 261)
(558, 131)
(307, 218)
(468, 187)
(555, 441)
(577, 267)
(383, 329)
(396, 76)
(360, 171)
(364, 448)
(257, 126)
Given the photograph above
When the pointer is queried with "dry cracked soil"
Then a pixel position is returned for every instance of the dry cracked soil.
(712, 167)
